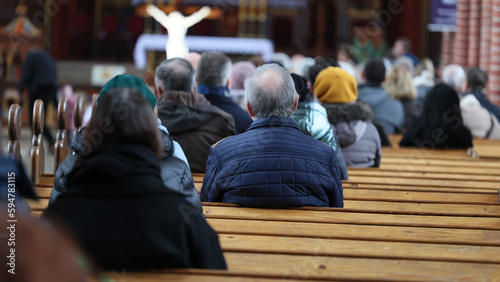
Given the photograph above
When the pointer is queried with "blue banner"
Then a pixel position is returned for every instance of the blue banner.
(443, 15)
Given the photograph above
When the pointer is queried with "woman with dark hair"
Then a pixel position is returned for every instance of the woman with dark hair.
(440, 125)
(116, 203)
(175, 171)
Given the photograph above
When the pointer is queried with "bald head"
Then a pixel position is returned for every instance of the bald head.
(270, 91)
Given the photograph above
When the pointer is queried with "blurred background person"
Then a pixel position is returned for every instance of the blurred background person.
(399, 86)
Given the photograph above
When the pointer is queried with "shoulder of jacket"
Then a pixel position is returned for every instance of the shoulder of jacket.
(217, 143)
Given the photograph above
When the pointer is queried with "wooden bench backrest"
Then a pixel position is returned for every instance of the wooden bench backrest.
(37, 155)
(14, 131)
(61, 146)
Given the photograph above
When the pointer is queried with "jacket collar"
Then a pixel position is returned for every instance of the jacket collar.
(213, 90)
(274, 122)
(371, 84)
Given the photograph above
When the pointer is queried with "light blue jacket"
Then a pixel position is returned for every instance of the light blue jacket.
(312, 120)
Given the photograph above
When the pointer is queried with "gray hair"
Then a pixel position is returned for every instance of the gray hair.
(270, 91)
(213, 69)
(175, 74)
(454, 76)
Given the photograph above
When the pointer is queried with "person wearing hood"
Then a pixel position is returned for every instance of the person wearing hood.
(117, 203)
(389, 113)
(359, 139)
(174, 167)
(191, 119)
(312, 120)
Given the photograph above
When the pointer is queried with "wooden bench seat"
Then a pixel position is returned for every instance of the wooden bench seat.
(463, 170)
(473, 163)
(332, 215)
(195, 275)
(358, 248)
(422, 175)
(358, 193)
(346, 268)
(438, 235)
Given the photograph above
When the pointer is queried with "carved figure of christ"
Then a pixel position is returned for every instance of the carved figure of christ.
(177, 26)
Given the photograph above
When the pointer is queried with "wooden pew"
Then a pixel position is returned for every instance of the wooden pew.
(474, 163)
(390, 206)
(343, 216)
(37, 156)
(79, 111)
(418, 175)
(338, 268)
(14, 131)
(61, 146)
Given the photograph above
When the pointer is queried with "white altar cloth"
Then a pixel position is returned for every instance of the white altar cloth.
(228, 45)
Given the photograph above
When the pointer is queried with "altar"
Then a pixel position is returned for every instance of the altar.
(226, 45)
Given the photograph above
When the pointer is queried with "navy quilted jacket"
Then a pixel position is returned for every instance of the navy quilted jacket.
(273, 164)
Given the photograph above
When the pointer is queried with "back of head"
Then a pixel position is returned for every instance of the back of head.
(128, 81)
(441, 104)
(454, 76)
(320, 63)
(441, 116)
(240, 71)
(213, 69)
(282, 59)
(175, 74)
(399, 84)
(336, 86)
(477, 79)
(405, 62)
(375, 71)
(193, 58)
(425, 64)
(270, 91)
(123, 116)
(301, 87)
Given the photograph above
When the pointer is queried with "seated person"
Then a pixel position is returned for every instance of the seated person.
(272, 164)
(191, 120)
(312, 120)
(480, 121)
(212, 78)
(15, 185)
(116, 203)
(388, 112)
(441, 124)
(174, 168)
(477, 79)
(238, 74)
(351, 121)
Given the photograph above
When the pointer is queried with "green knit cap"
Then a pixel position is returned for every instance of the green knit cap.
(128, 81)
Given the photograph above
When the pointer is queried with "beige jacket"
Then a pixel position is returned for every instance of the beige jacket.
(479, 120)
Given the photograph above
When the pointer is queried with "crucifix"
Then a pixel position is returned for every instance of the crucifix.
(177, 26)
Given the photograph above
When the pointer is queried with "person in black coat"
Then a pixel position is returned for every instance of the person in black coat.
(39, 74)
(116, 203)
(440, 125)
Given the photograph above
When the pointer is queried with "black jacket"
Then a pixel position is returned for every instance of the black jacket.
(193, 122)
(123, 215)
(39, 72)
(174, 172)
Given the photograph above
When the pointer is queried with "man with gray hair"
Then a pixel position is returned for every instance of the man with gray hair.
(454, 76)
(212, 78)
(190, 118)
(272, 164)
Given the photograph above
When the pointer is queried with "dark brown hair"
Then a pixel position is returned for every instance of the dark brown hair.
(123, 116)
